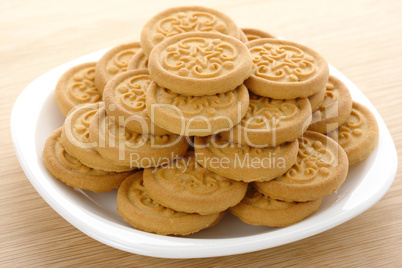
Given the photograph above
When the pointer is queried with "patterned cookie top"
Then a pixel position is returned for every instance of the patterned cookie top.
(285, 70)
(200, 63)
(138, 61)
(173, 21)
(114, 62)
(77, 86)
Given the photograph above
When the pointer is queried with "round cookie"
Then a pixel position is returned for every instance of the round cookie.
(75, 138)
(244, 163)
(72, 172)
(317, 99)
(285, 70)
(184, 185)
(114, 62)
(138, 61)
(127, 148)
(137, 208)
(124, 97)
(196, 115)
(253, 34)
(177, 20)
(77, 86)
(258, 209)
(199, 64)
(271, 122)
(321, 168)
(335, 109)
(358, 136)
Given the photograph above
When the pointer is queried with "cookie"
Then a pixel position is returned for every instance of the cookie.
(77, 86)
(321, 168)
(196, 115)
(335, 109)
(285, 70)
(198, 64)
(184, 185)
(137, 208)
(127, 148)
(114, 62)
(317, 99)
(75, 138)
(358, 136)
(242, 162)
(271, 122)
(258, 209)
(253, 34)
(124, 97)
(74, 173)
(177, 20)
(138, 61)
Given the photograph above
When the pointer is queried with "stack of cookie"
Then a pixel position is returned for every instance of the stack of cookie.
(255, 110)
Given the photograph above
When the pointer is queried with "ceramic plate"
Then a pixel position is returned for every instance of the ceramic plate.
(35, 115)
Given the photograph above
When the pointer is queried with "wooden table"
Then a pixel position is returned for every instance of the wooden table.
(363, 39)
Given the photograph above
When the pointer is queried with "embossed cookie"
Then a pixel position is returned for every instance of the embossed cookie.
(335, 109)
(199, 64)
(253, 34)
(258, 209)
(74, 173)
(285, 69)
(114, 62)
(75, 138)
(138, 61)
(270, 122)
(321, 168)
(125, 95)
(317, 99)
(184, 185)
(196, 115)
(358, 136)
(77, 86)
(177, 20)
(137, 208)
(244, 163)
(127, 148)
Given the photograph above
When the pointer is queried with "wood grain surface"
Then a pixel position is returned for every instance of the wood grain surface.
(361, 38)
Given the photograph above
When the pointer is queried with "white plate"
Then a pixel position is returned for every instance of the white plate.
(35, 115)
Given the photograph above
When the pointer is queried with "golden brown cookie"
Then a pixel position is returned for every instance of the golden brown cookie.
(77, 86)
(317, 99)
(285, 69)
(253, 34)
(127, 148)
(72, 172)
(199, 64)
(138, 61)
(335, 109)
(270, 122)
(124, 97)
(196, 115)
(358, 136)
(184, 185)
(244, 163)
(258, 209)
(177, 20)
(75, 138)
(321, 168)
(137, 208)
(114, 62)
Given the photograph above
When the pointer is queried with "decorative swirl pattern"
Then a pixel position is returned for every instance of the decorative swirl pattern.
(81, 126)
(186, 174)
(82, 86)
(313, 160)
(265, 112)
(188, 22)
(352, 127)
(282, 63)
(200, 57)
(119, 62)
(131, 92)
(196, 105)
